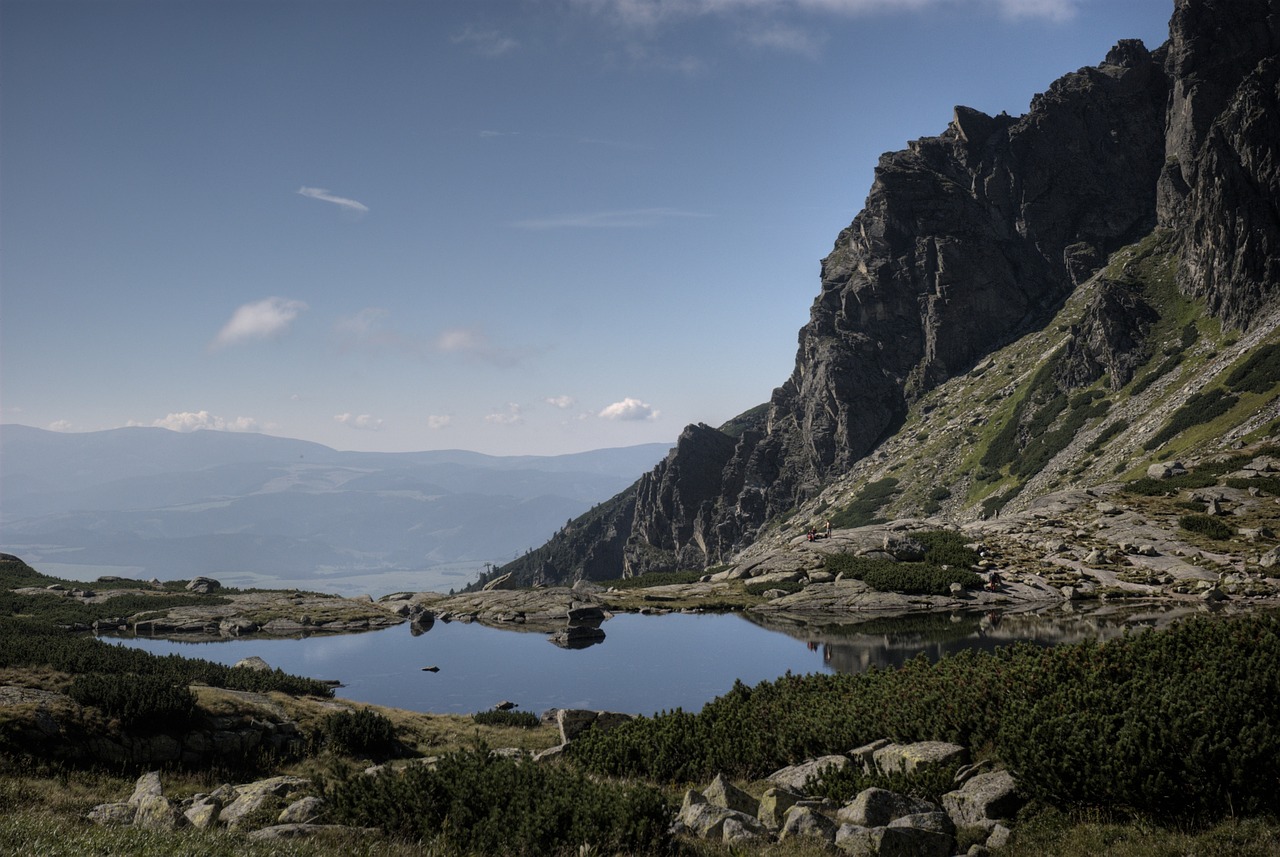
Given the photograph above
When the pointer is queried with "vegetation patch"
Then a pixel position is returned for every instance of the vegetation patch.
(359, 733)
(865, 506)
(1125, 724)
(947, 561)
(654, 578)
(1259, 373)
(29, 643)
(511, 719)
(479, 803)
(1206, 526)
(1201, 408)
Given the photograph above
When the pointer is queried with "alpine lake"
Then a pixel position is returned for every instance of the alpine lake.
(645, 663)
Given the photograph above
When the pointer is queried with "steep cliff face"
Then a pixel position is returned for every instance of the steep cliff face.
(1221, 182)
(975, 237)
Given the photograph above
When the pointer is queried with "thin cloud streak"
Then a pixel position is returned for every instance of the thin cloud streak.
(636, 218)
(651, 13)
(489, 43)
(324, 196)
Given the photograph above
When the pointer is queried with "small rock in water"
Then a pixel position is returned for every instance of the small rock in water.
(431, 669)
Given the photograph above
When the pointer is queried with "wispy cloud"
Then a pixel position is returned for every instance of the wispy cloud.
(61, 425)
(439, 421)
(324, 196)
(635, 218)
(651, 13)
(630, 409)
(264, 319)
(489, 43)
(511, 416)
(363, 422)
(189, 421)
(368, 330)
(474, 344)
(561, 402)
(784, 37)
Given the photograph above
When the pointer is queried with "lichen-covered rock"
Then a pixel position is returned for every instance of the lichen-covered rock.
(794, 777)
(907, 758)
(723, 793)
(984, 800)
(774, 804)
(805, 822)
(877, 807)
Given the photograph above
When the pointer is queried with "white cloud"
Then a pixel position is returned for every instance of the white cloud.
(511, 416)
(561, 402)
(489, 43)
(474, 344)
(259, 320)
(60, 425)
(189, 421)
(438, 421)
(324, 196)
(364, 422)
(630, 409)
(625, 219)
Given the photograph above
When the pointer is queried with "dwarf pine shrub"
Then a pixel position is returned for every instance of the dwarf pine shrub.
(1180, 724)
(478, 803)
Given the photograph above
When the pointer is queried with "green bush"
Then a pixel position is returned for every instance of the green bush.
(1259, 373)
(477, 803)
(946, 561)
(145, 702)
(1112, 430)
(866, 504)
(1199, 409)
(517, 719)
(1205, 526)
(654, 578)
(1177, 724)
(1166, 366)
(33, 643)
(359, 733)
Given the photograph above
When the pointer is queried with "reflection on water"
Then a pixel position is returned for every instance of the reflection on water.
(891, 642)
(646, 663)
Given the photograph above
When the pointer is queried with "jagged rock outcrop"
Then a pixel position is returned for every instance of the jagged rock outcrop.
(969, 240)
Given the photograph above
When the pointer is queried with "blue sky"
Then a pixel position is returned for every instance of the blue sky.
(518, 227)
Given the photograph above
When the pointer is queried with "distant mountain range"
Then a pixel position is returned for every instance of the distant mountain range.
(255, 510)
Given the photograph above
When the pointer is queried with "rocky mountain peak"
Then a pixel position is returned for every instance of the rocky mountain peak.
(976, 237)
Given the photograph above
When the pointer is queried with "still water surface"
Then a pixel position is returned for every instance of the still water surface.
(645, 664)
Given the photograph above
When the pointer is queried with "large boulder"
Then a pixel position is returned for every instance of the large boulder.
(806, 822)
(877, 807)
(774, 804)
(892, 842)
(907, 758)
(723, 793)
(984, 800)
(705, 820)
(795, 777)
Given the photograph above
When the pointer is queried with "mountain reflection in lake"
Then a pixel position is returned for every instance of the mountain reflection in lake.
(645, 664)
